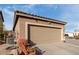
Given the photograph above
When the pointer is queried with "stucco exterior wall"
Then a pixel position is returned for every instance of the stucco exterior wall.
(23, 29)
(17, 29)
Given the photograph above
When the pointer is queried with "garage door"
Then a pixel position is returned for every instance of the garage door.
(44, 35)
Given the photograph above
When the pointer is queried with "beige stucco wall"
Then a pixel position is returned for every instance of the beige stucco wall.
(21, 26)
(17, 29)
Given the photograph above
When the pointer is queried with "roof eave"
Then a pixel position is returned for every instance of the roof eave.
(2, 16)
(18, 13)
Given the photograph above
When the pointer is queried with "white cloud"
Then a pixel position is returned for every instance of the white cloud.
(72, 17)
(52, 6)
(70, 13)
(8, 7)
(76, 24)
(7, 11)
(8, 28)
(30, 6)
(8, 18)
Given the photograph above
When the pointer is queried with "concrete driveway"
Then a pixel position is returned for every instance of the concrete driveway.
(70, 47)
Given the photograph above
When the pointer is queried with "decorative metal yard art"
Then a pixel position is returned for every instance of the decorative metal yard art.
(24, 48)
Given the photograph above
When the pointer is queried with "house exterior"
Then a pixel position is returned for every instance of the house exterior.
(1, 21)
(70, 34)
(38, 29)
(76, 32)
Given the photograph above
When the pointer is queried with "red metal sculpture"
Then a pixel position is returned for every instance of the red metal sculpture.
(23, 46)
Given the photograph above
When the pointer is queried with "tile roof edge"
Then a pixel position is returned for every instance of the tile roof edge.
(17, 11)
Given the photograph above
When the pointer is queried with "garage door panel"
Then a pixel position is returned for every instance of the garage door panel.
(44, 35)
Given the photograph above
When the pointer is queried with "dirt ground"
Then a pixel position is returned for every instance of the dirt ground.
(70, 47)
(5, 49)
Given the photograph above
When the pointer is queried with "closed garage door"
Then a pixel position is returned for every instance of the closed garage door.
(44, 35)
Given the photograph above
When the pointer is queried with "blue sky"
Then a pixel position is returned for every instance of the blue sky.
(64, 12)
